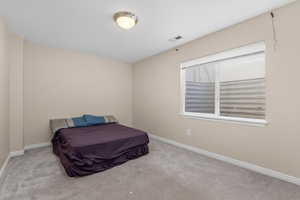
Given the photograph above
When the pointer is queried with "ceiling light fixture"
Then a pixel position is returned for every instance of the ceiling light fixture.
(125, 20)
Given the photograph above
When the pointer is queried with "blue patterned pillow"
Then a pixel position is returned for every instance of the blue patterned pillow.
(80, 122)
(94, 120)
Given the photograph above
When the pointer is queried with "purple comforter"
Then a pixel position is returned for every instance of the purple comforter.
(87, 150)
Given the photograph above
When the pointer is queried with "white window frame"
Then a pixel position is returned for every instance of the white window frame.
(244, 50)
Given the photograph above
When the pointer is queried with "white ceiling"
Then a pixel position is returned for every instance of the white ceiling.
(87, 25)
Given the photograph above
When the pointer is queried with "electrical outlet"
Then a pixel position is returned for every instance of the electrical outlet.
(188, 132)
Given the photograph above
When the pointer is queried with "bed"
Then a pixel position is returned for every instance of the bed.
(95, 148)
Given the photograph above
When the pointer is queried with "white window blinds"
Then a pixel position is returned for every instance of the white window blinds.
(230, 84)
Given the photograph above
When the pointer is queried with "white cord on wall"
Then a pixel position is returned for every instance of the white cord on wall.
(275, 41)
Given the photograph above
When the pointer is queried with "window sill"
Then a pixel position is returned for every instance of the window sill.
(243, 121)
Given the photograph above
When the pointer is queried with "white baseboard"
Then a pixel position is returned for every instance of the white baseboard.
(239, 163)
(28, 147)
(35, 146)
(16, 153)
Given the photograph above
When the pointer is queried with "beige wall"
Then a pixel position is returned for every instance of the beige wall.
(15, 92)
(156, 96)
(60, 83)
(4, 95)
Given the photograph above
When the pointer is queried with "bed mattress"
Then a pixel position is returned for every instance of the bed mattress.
(87, 150)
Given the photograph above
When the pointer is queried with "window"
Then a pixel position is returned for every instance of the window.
(226, 86)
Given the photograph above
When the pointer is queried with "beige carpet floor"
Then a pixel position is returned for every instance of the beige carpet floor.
(167, 173)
